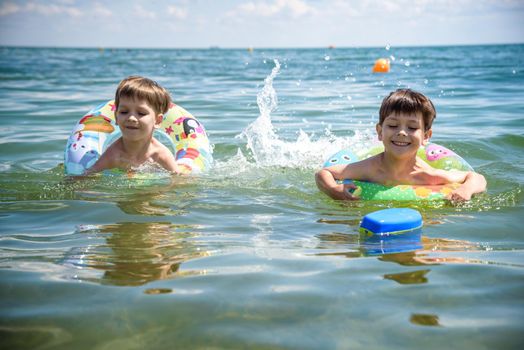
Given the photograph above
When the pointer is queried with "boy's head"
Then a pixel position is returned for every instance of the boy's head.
(407, 101)
(141, 88)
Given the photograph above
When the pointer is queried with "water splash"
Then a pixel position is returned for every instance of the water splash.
(267, 149)
(260, 134)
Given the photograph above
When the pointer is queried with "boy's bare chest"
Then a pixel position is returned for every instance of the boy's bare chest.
(394, 178)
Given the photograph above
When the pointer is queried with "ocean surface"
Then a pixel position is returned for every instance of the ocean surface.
(251, 255)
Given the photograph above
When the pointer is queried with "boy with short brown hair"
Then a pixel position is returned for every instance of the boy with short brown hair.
(140, 104)
(405, 121)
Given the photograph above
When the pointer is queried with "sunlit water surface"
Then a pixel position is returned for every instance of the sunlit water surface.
(251, 254)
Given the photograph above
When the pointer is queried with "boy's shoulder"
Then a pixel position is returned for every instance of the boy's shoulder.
(158, 146)
(160, 151)
(364, 169)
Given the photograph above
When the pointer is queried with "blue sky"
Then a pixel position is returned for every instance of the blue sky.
(259, 23)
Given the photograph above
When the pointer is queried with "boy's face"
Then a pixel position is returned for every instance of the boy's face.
(403, 133)
(136, 119)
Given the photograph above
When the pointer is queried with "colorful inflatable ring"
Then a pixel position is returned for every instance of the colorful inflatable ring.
(435, 155)
(182, 133)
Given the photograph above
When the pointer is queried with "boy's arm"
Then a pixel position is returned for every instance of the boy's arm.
(167, 161)
(108, 159)
(103, 163)
(326, 182)
(471, 183)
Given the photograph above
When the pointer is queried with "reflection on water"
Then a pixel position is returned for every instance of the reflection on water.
(424, 320)
(39, 337)
(401, 250)
(413, 258)
(411, 277)
(135, 253)
(394, 243)
(410, 249)
(150, 205)
(407, 249)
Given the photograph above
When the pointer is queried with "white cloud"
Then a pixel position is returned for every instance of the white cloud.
(238, 23)
(177, 12)
(141, 12)
(60, 7)
(296, 8)
(344, 8)
(101, 10)
(390, 6)
(8, 8)
(261, 9)
(52, 9)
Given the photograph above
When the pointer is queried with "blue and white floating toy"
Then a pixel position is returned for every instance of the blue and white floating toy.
(392, 230)
(392, 221)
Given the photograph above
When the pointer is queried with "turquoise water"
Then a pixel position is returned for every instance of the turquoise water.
(252, 255)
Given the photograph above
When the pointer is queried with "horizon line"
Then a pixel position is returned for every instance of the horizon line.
(217, 47)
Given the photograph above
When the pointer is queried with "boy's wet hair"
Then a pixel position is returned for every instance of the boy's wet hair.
(408, 101)
(141, 88)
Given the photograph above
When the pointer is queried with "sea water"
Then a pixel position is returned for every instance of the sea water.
(251, 254)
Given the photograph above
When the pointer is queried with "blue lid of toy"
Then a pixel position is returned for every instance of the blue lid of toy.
(391, 221)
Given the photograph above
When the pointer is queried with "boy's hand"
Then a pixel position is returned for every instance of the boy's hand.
(349, 190)
(341, 191)
(336, 190)
(461, 194)
(472, 183)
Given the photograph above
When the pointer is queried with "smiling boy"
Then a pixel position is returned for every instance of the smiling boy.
(405, 120)
(140, 104)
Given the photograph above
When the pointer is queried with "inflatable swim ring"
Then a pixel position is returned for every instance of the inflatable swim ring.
(182, 133)
(435, 155)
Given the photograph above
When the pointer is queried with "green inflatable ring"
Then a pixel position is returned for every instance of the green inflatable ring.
(435, 155)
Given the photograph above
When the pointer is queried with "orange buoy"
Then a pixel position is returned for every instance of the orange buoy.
(381, 66)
